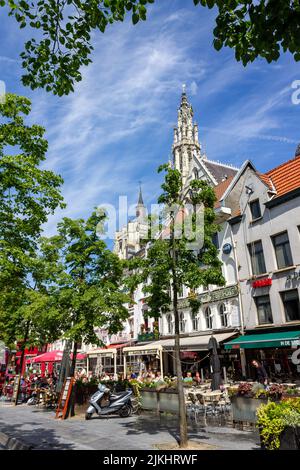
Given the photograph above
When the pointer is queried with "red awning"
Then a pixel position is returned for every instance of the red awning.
(53, 356)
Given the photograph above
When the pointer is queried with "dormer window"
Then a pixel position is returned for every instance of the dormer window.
(255, 209)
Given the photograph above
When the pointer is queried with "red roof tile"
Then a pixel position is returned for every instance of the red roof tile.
(221, 188)
(286, 177)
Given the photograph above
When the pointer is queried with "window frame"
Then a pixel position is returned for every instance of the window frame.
(223, 315)
(208, 318)
(264, 303)
(282, 293)
(252, 257)
(251, 205)
(289, 254)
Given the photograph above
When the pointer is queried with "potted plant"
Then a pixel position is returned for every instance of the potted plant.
(279, 424)
(245, 400)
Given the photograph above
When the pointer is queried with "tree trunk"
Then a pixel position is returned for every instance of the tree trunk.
(72, 374)
(22, 358)
(183, 440)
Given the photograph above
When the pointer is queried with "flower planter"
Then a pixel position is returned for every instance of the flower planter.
(290, 438)
(244, 409)
(160, 401)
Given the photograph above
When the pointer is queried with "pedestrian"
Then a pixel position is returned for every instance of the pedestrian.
(261, 373)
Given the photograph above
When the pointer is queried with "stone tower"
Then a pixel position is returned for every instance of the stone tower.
(141, 211)
(186, 141)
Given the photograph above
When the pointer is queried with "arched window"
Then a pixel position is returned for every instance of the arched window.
(169, 324)
(181, 323)
(195, 321)
(223, 315)
(208, 318)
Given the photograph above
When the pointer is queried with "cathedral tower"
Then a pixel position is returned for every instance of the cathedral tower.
(186, 141)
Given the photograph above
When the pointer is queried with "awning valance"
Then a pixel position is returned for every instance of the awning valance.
(266, 340)
(103, 352)
(190, 343)
(142, 350)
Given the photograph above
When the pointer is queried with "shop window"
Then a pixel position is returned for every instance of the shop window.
(290, 300)
(264, 312)
(181, 323)
(208, 318)
(282, 250)
(195, 321)
(223, 315)
(255, 209)
(257, 257)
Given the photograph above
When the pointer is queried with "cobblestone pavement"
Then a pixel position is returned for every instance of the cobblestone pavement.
(40, 430)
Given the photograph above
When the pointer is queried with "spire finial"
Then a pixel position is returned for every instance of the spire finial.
(184, 88)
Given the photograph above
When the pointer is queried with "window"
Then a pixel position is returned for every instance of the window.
(169, 324)
(255, 209)
(264, 311)
(208, 318)
(257, 257)
(291, 305)
(195, 321)
(181, 323)
(282, 250)
(223, 315)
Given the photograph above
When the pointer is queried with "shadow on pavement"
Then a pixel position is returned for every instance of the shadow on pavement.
(37, 438)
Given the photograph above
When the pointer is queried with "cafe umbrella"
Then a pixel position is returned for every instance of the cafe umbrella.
(214, 364)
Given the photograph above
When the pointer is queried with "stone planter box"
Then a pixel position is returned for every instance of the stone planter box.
(290, 438)
(159, 401)
(244, 409)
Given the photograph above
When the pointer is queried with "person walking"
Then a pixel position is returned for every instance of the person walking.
(261, 373)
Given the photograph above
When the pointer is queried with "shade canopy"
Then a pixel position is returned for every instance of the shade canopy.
(52, 356)
(287, 339)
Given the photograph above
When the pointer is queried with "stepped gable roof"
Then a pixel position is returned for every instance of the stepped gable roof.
(219, 170)
(285, 177)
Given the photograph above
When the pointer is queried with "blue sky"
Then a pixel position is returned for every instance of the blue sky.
(118, 125)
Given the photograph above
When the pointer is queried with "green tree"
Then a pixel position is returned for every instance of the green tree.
(28, 194)
(88, 285)
(253, 28)
(171, 263)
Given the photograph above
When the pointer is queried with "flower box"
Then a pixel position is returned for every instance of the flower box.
(244, 409)
(290, 438)
(160, 401)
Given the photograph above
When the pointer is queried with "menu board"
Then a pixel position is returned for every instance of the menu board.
(63, 403)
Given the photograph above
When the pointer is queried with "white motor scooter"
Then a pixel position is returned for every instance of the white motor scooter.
(104, 402)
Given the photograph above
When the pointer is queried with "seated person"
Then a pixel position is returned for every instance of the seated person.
(197, 378)
(158, 378)
(188, 378)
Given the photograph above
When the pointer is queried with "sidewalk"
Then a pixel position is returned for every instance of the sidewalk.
(38, 429)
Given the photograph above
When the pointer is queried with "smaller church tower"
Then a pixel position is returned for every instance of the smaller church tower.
(186, 139)
(141, 211)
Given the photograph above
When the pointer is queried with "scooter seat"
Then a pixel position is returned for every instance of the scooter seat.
(117, 396)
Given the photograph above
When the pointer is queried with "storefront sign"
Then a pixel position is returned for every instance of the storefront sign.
(144, 352)
(108, 354)
(262, 283)
(294, 276)
(213, 296)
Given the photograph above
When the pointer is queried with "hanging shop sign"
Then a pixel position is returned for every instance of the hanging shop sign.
(262, 283)
(146, 352)
(227, 249)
